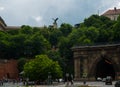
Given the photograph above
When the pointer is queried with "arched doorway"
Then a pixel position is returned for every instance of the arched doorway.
(104, 68)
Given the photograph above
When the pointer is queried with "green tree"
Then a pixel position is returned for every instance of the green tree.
(106, 23)
(39, 44)
(21, 63)
(83, 40)
(13, 32)
(93, 20)
(4, 49)
(55, 56)
(66, 29)
(103, 37)
(45, 32)
(17, 45)
(98, 22)
(4, 45)
(116, 28)
(39, 68)
(55, 35)
(66, 53)
(91, 33)
(25, 29)
(75, 35)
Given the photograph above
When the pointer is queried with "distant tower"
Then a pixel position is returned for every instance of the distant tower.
(55, 23)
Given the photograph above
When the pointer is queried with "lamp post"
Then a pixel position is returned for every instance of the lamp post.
(67, 75)
(84, 76)
(49, 78)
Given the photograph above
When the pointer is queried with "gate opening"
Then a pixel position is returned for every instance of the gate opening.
(104, 68)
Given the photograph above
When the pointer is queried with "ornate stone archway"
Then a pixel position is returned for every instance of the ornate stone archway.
(86, 59)
(104, 66)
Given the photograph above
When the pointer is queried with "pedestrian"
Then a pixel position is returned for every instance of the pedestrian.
(71, 79)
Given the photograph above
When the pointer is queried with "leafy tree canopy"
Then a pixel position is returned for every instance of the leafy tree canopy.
(40, 67)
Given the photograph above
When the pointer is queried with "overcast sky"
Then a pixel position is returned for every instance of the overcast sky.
(41, 12)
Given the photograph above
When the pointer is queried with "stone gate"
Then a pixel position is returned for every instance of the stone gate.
(91, 62)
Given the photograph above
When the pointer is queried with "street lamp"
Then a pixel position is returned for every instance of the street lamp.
(84, 76)
(67, 75)
(49, 78)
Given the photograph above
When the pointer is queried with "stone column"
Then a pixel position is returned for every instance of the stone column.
(77, 68)
(85, 65)
(85, 68)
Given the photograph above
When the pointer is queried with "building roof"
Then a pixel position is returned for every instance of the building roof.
(12, 27)
(2, 24)
(2, 21)
(114, 11)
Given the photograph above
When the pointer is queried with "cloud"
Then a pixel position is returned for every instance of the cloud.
(41, 12)
(23, 10)
(38, 18)
(2, 8)
(118, 5)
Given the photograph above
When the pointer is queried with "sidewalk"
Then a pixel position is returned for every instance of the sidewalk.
(53, 85)
(76, 84)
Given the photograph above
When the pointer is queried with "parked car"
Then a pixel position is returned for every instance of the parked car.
(117, 84)
(31, 83)
(99, 79)
(104, 79)
(108, 80)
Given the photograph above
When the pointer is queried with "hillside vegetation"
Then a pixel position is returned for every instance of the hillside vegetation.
(28, 41)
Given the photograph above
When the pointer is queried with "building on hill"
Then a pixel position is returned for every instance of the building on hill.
(2, 24)
(112, 13)
(4, 27)
(12, 28)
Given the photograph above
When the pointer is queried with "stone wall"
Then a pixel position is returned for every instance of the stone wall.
(86, 59)
(8, 69)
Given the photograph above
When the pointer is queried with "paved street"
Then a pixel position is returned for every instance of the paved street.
(97, 84)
